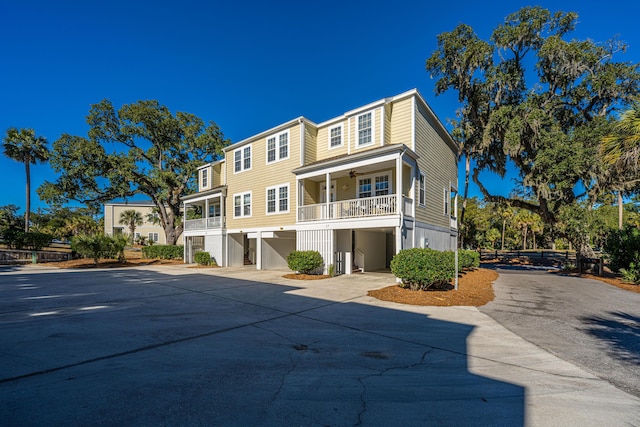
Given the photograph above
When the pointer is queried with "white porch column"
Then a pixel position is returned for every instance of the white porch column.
(300, 198)
(259, 250)
(399, 202)
(327, 194)
(206, 213)
(222, 212)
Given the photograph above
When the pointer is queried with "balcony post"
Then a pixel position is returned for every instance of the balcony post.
(206, 213)
(327, 193)
(399, 206)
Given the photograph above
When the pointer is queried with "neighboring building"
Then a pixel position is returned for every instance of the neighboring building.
(148, 229)
(357, 188)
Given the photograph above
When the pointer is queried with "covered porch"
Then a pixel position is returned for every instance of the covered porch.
(376, 183)
(205, 211)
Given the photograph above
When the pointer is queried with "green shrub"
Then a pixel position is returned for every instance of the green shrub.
(204, 258)
(163, 251)
(623, 246)
(631, 274)
(468, 259)
(421, 268)
(96, 246)
(305, 262)
(18, 239)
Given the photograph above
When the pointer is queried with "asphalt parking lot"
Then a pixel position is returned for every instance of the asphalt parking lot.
(180, 346)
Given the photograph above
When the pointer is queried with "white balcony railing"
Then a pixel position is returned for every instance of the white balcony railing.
(346, 209)
(203, 223)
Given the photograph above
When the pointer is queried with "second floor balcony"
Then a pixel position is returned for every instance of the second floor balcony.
(216, 222)
(363, 207)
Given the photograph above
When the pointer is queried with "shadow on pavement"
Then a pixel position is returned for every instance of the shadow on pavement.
(142, 347)
(620, 332)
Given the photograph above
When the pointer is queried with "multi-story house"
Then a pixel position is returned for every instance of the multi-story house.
(150, 230)
(357, 188)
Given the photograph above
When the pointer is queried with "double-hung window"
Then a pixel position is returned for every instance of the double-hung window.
(278, 147)
(374, 185)
(364, 187)
(365, 129)
(382, 185)
(242, 159)
(335, 136)
(422, 190)
(153, 237)
(447, 200)
(278, 199)
(242, 205)
(205, 178)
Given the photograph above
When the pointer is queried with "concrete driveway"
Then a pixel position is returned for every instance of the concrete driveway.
(587, 322)
(181, 346)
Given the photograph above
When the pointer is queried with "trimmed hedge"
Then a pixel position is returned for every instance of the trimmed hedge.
(34, 240)
(204, 258)
(305, 262)
(163, 251)
(468, 259)
(421, 268)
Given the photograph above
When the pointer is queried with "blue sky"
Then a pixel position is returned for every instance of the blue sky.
(247, 65)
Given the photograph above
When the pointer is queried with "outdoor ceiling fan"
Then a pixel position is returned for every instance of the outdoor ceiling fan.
(353, 173)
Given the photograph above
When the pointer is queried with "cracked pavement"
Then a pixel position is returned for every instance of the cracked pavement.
(173, 345)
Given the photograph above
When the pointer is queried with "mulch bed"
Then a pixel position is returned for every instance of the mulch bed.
(475, 288)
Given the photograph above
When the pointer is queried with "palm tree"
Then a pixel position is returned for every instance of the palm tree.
(131, 218)
(621, 150)
(24, 146)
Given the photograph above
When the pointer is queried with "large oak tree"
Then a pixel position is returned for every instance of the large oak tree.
(142, 148)
(535, 98)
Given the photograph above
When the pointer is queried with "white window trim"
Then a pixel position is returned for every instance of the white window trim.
(373, 129)
(373, 182)
(277, 137)
(242, 158)
(204, 176)
(277, 188)
(422, 185)
(446, 200)
(233, 204)
(333, 147)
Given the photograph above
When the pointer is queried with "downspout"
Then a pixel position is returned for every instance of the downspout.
(302, 144)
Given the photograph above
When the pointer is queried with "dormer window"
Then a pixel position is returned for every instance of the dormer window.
(365, 129)
(205, 178)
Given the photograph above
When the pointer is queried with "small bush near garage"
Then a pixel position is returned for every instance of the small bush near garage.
(304, 262)
(163, 251)
(468, 259)
(423, 268)
(204, 258)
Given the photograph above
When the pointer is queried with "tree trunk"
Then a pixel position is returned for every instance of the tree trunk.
(535, 246)
(504, 225)
(28, 199)
(620, 210)
(524, 239)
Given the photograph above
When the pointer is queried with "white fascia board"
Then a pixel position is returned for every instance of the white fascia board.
(204, 197)
(355, 224)
(261, 229)
(268, 132)
(212, 163)
(349, 165)
(441, 128)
